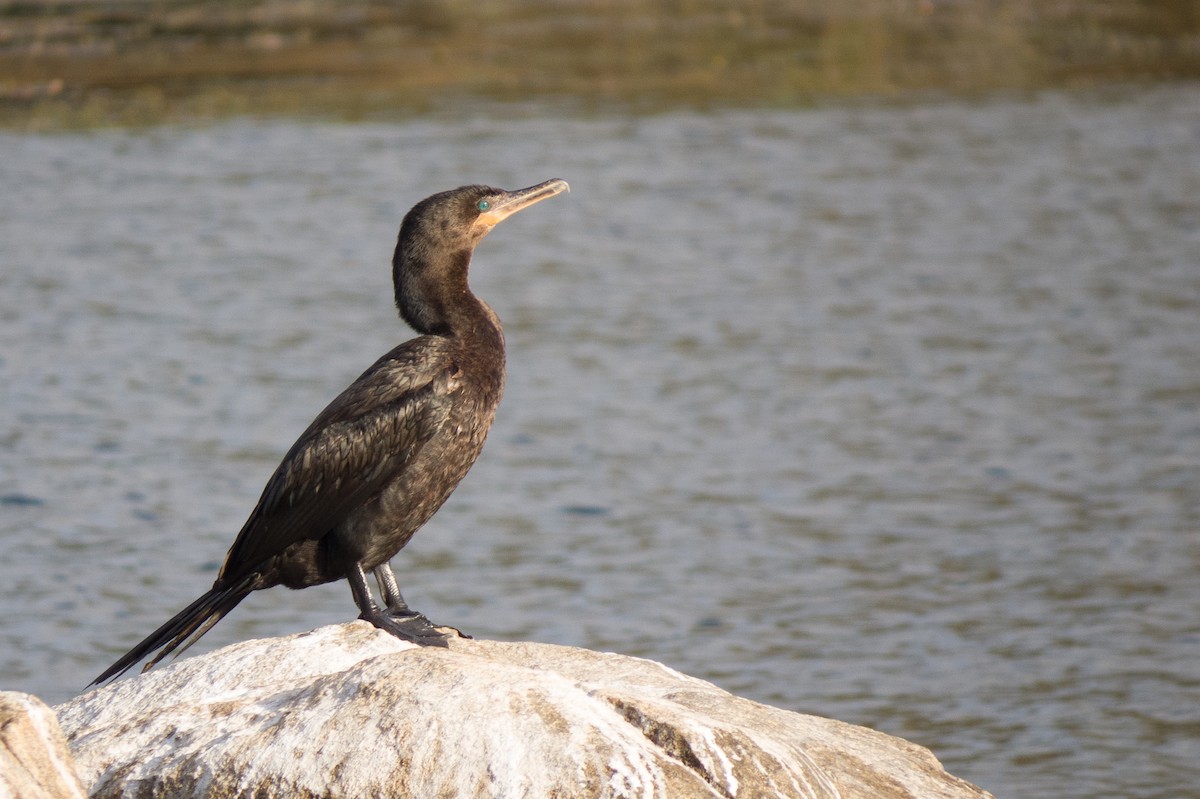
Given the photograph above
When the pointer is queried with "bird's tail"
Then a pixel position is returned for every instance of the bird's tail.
(184, 628)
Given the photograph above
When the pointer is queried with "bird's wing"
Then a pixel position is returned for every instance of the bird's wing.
(350, 451)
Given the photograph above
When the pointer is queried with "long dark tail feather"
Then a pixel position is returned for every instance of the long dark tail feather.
(184, 628)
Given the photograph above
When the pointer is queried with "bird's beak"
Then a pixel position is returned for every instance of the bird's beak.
(510, 202)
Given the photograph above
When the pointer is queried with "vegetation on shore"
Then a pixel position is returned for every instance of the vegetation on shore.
(70, 63)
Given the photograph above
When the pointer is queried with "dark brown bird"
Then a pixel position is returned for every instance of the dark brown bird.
(380, 460)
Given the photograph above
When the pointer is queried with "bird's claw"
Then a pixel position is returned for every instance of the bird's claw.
(409, 625)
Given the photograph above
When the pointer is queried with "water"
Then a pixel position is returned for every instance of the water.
(889, 414)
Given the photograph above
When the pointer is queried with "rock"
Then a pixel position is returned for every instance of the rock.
(349, 711)
(34, 761)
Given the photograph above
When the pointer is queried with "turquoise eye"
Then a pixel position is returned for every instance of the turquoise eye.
(484, 205)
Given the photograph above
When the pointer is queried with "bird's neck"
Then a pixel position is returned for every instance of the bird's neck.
(435, 299)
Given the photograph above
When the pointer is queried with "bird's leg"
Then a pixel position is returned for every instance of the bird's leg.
(391, 590)
(362, 594)
(396, 606)
(411, 626)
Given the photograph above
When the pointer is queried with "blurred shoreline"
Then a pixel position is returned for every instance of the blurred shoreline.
(88, 63)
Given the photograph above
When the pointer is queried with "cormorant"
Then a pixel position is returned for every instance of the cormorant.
(386, 453)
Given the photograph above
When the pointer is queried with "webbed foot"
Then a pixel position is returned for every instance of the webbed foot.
(408, 625)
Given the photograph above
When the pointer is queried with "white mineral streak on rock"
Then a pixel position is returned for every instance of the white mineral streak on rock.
(348, 711)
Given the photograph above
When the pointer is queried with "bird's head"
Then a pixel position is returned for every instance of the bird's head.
(459, 218)
(438, 236)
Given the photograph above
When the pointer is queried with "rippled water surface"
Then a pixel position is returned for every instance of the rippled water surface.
(889, 414)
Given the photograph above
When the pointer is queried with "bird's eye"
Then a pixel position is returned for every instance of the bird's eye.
(484, 205)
